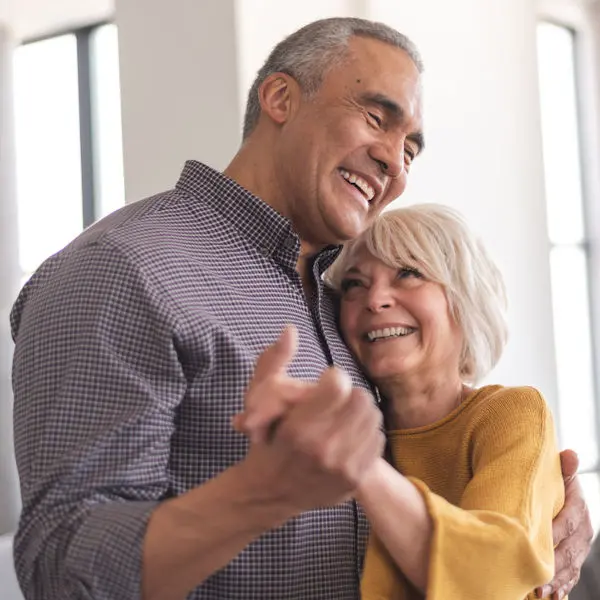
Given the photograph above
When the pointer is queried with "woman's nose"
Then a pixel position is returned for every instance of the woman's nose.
(379, 299)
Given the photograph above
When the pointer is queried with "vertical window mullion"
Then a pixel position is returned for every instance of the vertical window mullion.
(85, 116)
(590, 233)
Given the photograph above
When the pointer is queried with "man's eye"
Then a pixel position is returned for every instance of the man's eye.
(348, 284)
(376, 118)
(410, 153)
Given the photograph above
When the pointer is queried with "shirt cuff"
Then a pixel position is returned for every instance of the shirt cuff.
(105, 554)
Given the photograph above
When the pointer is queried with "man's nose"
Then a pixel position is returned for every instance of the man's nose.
(389, 155)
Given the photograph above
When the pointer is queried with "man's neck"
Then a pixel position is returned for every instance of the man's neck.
(249, 169)
(253, 172)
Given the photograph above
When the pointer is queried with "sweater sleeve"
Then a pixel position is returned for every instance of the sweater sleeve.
(497, 544)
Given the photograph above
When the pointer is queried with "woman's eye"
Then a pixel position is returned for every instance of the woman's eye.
(348, 284)
(408, 272)
(376, 118)
(410, 154)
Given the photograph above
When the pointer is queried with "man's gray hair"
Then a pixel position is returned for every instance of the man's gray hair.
(310, 52)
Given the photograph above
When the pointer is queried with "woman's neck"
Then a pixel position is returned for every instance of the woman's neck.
(411, 403)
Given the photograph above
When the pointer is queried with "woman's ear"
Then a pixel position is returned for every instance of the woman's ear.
(278, 96)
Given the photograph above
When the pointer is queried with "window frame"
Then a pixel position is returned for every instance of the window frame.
(579, 17)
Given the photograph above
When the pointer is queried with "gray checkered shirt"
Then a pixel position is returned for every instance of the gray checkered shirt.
(134, 346)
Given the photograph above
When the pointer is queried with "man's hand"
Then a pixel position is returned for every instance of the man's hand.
(572, 530)
(327, 434)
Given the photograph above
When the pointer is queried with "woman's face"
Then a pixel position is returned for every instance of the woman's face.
(396, 322)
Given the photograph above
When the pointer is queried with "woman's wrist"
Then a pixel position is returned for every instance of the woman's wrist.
(372, 480)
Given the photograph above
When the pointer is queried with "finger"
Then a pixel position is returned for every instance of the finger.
(315, 416)
(276, 358)
(355, 434)
(572, 516)
(275, 402)
(560, 586)
(271, 364)
(569, 561)
(565, 590)
(333, 389)
(569, 463)
(371, 419)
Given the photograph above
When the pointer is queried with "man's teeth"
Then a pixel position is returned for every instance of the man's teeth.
(388, 332)
(359, 182)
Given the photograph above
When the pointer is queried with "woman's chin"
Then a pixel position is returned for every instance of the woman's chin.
(381, 373)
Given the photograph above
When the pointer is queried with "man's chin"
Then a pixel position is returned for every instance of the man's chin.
(346, 232)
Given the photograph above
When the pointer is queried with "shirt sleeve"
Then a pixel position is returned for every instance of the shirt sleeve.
(498, 543)
(96, 381)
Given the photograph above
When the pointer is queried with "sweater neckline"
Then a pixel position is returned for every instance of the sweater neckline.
(471, 397)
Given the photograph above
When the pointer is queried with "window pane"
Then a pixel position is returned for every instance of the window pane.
(577, 423)
(47, 148)
(590, 482)
(106, 104)
(560, 133)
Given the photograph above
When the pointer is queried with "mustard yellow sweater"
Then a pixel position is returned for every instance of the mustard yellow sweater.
(490, 475)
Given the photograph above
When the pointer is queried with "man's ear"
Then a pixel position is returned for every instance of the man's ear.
(278, 95)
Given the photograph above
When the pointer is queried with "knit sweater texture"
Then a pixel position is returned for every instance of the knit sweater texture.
(490, 475)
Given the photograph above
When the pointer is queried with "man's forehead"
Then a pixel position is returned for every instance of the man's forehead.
(377, 53)
(380, 69)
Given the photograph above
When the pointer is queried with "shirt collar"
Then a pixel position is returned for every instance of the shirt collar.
(263, 226)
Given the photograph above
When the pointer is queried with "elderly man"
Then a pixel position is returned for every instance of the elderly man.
(134, 346)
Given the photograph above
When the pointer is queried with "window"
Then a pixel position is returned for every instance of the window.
(570, 245)
(68, 138)
(47, 148)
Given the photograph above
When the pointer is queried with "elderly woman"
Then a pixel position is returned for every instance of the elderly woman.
(466, 508)
(464, 511)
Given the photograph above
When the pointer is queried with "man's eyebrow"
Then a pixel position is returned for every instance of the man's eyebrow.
(384, 102)
(397, 112)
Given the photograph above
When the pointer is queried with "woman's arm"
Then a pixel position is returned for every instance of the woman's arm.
(385, 495)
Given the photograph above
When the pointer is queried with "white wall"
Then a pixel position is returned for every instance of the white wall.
(36, 18)
(179, 87)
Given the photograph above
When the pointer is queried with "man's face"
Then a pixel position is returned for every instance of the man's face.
(347, 151)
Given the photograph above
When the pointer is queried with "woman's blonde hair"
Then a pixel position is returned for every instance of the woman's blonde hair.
(436, 240)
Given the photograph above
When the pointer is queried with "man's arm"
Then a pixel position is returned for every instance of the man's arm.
(572, 531)
(97, 381)
(316, 457)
